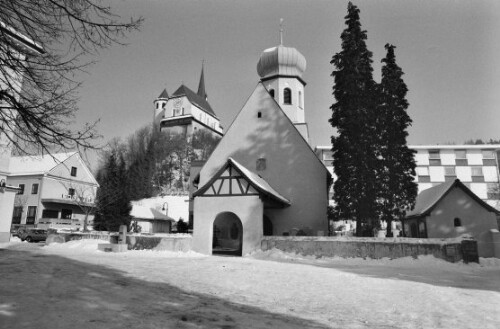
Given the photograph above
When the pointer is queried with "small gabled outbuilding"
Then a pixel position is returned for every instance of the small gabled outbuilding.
(450, 210)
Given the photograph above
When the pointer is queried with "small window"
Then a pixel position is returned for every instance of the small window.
(434, 154)
(259, 114)
(461, 154)
(73, 171)
(434, 162)
(31, 216)
(461, 158)
(300, 100)
(477, 174)
(16, 215)
(21, 191)
(449, 171)
(457, 222)
(34, 189)
(488, 154)
(477, 171)
(424, 179)
(271, 92)
(71, 191)
(287, 96)
(66, 213)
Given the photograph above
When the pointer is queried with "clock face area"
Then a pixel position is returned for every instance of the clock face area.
(178, 102)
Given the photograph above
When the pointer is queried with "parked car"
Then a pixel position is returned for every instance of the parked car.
(32, 234)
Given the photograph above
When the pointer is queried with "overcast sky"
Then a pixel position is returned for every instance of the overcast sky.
(449, 51)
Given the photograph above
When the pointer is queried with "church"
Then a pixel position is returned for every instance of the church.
(185, 112)
(263, 178)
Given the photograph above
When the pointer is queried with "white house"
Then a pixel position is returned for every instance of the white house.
(54, 190)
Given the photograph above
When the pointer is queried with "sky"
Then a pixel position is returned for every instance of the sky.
(447, 49)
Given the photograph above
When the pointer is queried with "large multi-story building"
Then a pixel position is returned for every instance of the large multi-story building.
(55, 190)
(185, 112)
(475, 165)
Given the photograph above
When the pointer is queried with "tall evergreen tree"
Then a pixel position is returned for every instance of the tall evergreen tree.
(354, 150)
(112, 202)
(398, 190)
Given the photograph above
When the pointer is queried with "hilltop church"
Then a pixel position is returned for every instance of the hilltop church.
(263, 178)
(185, 112)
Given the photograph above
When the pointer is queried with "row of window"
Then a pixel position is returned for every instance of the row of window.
(462, 162)
(18, 212)
(492, 189)
(427, 179)
(34, 188)
(462, 154)
(31, 215)
(489, 158)
(450, 171)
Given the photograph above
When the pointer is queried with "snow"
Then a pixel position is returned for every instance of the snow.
(75, 285)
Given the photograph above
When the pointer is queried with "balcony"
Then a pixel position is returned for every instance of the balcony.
(71, 199)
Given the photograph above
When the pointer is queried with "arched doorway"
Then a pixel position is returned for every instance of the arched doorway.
(227, 235)
(268, 226)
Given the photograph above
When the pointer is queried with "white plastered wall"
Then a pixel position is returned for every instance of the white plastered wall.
(249, 210)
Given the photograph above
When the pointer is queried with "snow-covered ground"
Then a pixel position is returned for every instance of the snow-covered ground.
(73, 285)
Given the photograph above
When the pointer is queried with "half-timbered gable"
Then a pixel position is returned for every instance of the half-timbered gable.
(233, 179)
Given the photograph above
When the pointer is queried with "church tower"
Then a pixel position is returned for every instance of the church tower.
(159, 104)
(280, 69)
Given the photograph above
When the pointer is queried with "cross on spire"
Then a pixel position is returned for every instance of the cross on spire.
(281, 31)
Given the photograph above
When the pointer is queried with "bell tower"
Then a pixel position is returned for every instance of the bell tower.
(280, 69)
(159, 106)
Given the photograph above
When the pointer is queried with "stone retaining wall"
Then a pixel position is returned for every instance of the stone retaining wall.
(134, 242)
(375, 248)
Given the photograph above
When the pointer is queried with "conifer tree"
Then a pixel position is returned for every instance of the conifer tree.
(398, 190)
(354, 149)
(112, 202)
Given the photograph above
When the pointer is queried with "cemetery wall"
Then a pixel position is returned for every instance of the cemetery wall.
(375, 248)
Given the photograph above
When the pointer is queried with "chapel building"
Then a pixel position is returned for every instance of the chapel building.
(263, 178)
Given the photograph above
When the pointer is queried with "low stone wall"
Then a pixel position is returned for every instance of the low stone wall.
(172, 242)
(375, 248)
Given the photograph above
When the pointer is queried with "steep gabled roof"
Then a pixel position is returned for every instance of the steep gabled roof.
(194, 98)
(428, 199)
(257, 182)
(36, 164)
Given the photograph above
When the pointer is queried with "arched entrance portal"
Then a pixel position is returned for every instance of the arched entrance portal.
(227, 235)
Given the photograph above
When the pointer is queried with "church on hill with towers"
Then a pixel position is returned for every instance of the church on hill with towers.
(186, 112)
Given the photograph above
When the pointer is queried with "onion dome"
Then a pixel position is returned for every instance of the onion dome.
(281, 60)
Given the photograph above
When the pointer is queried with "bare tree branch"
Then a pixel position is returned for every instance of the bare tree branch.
(42, 46)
